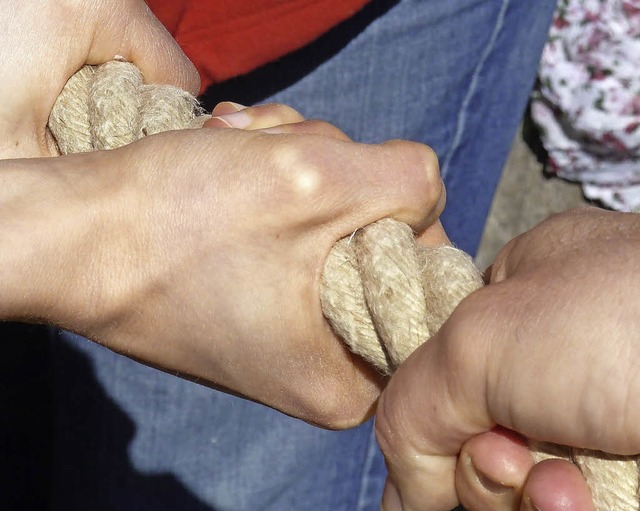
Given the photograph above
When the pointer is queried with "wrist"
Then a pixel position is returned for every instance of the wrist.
(52, 216)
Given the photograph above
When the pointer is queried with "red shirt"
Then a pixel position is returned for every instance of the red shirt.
(226, 38)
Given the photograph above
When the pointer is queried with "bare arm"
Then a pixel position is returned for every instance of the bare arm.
(200, 252)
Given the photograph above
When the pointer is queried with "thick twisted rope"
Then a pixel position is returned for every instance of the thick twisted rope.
(383, 294)
(109, 106)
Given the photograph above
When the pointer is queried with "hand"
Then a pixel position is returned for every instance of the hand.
(46, 41)
(534, 352)
(496, 472)
(200, 252)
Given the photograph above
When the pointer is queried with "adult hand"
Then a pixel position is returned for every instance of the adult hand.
(197, 252)
(548, 349)
(201, 251)
(46, 41)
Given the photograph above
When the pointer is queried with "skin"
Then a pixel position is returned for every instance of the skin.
(533, 352)
(163, 249)
(50, 40)
(494, 470)
(198, 252)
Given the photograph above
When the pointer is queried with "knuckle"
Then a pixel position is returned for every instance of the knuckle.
(422, 157)
(432, 186)
(419, 182)
(430, 159)
(300, 175)
(422, 160)
(305, 182)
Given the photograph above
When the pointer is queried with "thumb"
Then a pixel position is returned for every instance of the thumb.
(432, 405)
(133, 32)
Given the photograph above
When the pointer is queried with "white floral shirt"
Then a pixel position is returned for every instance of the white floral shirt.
(587, 102)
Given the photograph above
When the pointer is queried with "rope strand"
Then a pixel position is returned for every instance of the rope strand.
(382, 293)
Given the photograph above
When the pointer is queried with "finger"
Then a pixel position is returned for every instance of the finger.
(492, 470)
(342, 186)
(253, 118)
(134, 33)
(556, 485)
(432, 405)
(311, 126)
(499, 270)
(434, 235)
(558, 235)
(435, 494)
(226, 107)
(488, 274)
(397, 179)
(421, 474)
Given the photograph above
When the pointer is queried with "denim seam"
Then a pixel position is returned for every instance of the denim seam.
(473, 83)
(363, 498)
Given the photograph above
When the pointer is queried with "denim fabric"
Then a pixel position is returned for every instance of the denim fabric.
(454, 74)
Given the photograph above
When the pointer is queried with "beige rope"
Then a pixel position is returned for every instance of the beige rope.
(109, 106)
(383, 294)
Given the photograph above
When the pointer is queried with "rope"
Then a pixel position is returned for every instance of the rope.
(383, 294)
(109, 106)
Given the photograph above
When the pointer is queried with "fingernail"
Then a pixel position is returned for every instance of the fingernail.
(239, 119)
(490, 484)
(390, 498)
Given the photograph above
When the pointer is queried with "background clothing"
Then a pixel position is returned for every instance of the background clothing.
(455, 75)
(587, 101)
(228, 38)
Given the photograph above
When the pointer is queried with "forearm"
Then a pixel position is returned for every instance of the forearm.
(199, 251)
(51, 210)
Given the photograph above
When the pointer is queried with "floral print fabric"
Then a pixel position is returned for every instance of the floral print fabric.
(587, 102)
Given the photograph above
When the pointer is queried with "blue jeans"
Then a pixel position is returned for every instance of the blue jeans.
(453, 74)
